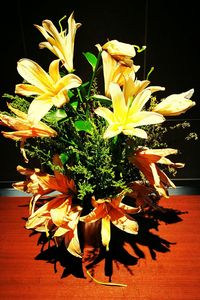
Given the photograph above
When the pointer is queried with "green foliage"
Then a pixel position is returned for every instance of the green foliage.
(18, 102)
(98, 166)
(91, 58)
(95, 166)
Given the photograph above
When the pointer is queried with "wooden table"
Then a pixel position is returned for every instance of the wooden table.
(164, 263)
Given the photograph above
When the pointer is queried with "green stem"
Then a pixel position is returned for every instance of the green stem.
(93, 74)
(79, 94)
(90, 85)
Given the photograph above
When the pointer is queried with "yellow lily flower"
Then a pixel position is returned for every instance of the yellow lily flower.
(61, 44)
(126, 117)
(114, 71)
(125, 76)
(175, 104)
(112, 211)
(121, 52)
(51, 89)
(132, 87)
(146, 159)
(24, 128)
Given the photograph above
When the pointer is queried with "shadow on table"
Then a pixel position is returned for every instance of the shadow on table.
(121, 247)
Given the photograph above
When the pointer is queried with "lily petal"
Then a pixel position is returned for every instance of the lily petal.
(72, 243)
(34, 74)
(175, 104)
(105, 113)
(38, 109)
(105, 232)
(127, 224)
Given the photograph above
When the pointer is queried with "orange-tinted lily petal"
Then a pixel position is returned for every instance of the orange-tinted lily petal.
(24, 128)
(109, 210)
(60, 217)
(146, 160)
(144, 196)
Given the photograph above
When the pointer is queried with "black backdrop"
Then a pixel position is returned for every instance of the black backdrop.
(170, 30)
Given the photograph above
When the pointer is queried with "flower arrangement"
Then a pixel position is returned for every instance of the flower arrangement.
(99, 154)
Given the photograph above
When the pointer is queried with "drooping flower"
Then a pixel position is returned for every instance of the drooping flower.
(120, 51)
(114, 71)
(58, 216)
(144, 195)
(175, 104)
(51, 89)
(33, 185)
(146, 161)
(24, 128)
(40, 183)
(60, 43)
(126, 117)
(112, 210)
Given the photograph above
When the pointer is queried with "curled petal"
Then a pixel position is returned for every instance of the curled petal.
(96, 214)
(127, 224)
(129, 209)
(72, 243)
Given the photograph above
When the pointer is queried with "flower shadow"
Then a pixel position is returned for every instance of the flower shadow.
(52, 254)
(124, 248)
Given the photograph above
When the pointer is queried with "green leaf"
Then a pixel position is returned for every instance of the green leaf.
(64, 158)
(102, 99)
(70, 94)
(83, 126)
(82, 88)
(74, 104)
(91, 58)
(84, 84)
(55, 116)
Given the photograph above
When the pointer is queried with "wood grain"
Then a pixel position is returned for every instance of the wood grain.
(163, 262)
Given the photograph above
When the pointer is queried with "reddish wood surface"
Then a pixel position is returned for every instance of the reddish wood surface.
(169, 269)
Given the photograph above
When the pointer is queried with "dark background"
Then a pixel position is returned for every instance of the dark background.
(169, 29)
